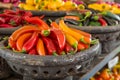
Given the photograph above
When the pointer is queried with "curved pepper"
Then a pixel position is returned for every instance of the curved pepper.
(40, 47)
(21, 40)
(11, 43)
(22, 30)
(72, 17)
(37, 21)
(68, 48)
(82, 32)
(33, 51)
(59, 36)
(49, 45)
(72, 41)
(80, 46)
(66, 29)
(31, 42)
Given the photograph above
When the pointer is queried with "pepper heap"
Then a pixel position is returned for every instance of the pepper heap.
(41, 39)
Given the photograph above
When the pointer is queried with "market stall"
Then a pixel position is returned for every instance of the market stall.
(59, 39)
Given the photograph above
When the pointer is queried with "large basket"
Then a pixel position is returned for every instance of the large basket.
(109, 36)
(49, 67)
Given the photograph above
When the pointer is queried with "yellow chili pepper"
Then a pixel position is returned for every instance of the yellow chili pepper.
(72, 41)
(66, 29)
(37, 1)
(29, 7)
(31, 2)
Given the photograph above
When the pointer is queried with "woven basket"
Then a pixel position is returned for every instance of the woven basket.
(109, 36)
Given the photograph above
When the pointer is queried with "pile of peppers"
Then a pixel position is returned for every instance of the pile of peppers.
(92, 18)
(11, 18)
(51, 5)
(43, 39)
(107, 74)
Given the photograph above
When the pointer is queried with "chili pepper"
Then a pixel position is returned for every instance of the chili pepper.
(2, 21)
(82, 32)
(22, 30)
(7, 15)
(12, 12)
(59, 36)
(72, 17)
(66, 29)
(68, 48)
(80, 46)
(33, 51)
(104, 74)
(72, 41)
(94, 23)
(5, 26)
(31, 42)
(15, 21)
(71, 21)
(103, 22)
(49, 45)
(40, 47)
(53, 24)
(21, 40)
(111, 15)
(37, 21)
(11, 43)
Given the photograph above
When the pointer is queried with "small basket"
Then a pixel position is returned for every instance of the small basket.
(34, 67)
(109, 36)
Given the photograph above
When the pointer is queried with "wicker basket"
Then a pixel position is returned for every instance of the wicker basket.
(49, 67)
(109, 36)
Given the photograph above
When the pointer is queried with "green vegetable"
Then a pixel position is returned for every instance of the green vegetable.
(94, 23)
(111, 15)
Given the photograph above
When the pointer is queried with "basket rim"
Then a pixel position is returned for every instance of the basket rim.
(26, 59)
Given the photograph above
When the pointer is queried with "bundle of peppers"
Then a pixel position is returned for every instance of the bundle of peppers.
(91, 18)
(107, 74)
(11, 18)
(43, 39)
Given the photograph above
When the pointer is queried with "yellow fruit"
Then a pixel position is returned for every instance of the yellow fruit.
(29, 7)
(21, 5)
(37, 1)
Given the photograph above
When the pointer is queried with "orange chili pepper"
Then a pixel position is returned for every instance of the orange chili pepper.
(22, 30)
(105, 75)
(21, 40)
(80, 46)
(40, 47)
(66, 29)
(11, 43)
(72, 17)
(82, 32)
(54, 25)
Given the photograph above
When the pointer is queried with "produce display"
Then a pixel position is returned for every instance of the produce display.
(107, 74)
(52, 5)
(40, 39)
(11, 18)
(92, 18)
(106, 6)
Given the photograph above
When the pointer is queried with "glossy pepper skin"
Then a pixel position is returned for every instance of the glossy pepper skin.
(22, 30)
(21, 40)
(72, 41)
(40, 47)
(103, 22)
(33, 51)
(38, 21)
(66, 29)
(49, 45)
(68, 48)
(59, 36)
(31, 42)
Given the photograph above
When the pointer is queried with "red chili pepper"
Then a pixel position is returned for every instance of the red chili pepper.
(6, 15)
(5, 26)
(102, 21)
(33, 52)
(68, 48)
(12, 12)
(37, 21)
(31, 42)
(15, 21)
(81, 46)
(59, 36)
(49, 45)
(2, 20)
